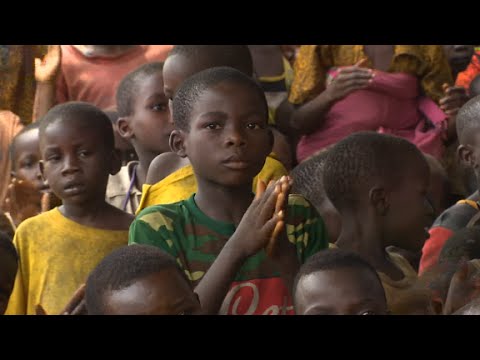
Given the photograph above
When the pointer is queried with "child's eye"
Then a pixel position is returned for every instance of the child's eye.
(254, 126)
(53, 157)
(27, 164)
(160, 107)
(83, 153)
(368, 312)
(213, 126)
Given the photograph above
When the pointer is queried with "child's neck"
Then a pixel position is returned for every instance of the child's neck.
(85, 214)
(145, 158)
(364, 237)
(226, 204)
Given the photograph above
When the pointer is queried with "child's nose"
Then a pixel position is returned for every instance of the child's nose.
(235, 137)
(70, 165)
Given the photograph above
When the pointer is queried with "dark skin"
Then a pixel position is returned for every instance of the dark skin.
(28, 194)
(104, 50)
(469, 153)
(343, 291)
(76, 164)
(8, 272)
(389, 216)
(149, 126)
(26, 159)
(163, 293)
(459, 57)
(309, 116)
(227, 143)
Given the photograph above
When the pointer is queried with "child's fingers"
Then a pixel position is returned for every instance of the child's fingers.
(279, 203)
(75, 301)
(39, 310)
(274, 238)
(268, 205)
(362, 62)
(81, 309)
(261, 187)
(38, 63)
(45, 202)
(445, 86)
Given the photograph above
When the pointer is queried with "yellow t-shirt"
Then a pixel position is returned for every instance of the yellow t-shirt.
(56, 256)
(181, 184)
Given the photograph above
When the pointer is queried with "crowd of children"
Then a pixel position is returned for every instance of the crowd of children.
(241, 179)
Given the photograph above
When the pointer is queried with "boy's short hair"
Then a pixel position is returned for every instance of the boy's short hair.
(464, 244)
(127, 89)
(7, 244)
(121, 268)
(112, 115)
(308, 178)
(80, 112)
(333, 259)
(359, 159)
(12, 147)
(474, 88)
(468, 120)
(193, 87)
(235, 56)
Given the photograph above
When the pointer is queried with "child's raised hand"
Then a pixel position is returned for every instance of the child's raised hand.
(22, 201)
(464, 287)
(349, 79)
(47, 69)
(453, 100)
(259, 221)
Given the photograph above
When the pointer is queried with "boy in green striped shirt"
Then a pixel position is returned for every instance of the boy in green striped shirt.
(219, 235)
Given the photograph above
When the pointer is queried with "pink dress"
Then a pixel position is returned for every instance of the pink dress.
(391, 104)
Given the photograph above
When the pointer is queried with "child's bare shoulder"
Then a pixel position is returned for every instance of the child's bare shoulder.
(164, 165)
(117, 219)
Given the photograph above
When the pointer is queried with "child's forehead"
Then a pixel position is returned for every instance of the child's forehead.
(26, 138)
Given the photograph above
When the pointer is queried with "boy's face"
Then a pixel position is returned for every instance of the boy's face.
(162, 293)
(150, 122)
(8, 271)
(409, 213)
(76, 162)
(228, 140)
(343, 291)
(27, 157)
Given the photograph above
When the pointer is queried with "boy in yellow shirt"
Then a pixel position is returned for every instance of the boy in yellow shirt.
(59, 248)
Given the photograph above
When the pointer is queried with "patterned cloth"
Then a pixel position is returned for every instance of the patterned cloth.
(427, 62)
(56, 256)
(195, 240)
(17, 78)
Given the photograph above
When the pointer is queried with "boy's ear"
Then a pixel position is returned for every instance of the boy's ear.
(177, 143)
(116, 162)
(379, 200)
(466, 155)
(123, 128)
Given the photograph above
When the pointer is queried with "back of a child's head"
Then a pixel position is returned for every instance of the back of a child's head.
(439, 187)
(474, 89)
(463, 245)
(308, 181)
(363, 159)
(468, 121)
(192, 89)
(472, 308)
(8, 269)
(122, 269)
(358, 288)
(129, 86)
(208, 56)
(77, 115)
